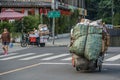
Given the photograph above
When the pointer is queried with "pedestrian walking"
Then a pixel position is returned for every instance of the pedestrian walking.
(5, 40)
(37, 36)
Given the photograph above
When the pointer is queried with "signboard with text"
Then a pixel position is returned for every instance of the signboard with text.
(54, 14)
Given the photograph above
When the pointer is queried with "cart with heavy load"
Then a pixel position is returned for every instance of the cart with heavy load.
(44, 34)
(88, 46)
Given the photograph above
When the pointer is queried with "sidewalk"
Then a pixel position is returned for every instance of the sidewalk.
(58, 42)
(16, 47)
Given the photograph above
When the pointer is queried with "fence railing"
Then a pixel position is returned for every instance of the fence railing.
(115, 41)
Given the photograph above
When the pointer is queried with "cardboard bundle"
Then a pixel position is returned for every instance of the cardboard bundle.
(43, 29)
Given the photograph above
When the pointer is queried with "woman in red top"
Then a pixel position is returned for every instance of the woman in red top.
(5, 40)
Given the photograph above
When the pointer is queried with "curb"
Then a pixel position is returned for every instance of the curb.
(57, 45)
(48, 45)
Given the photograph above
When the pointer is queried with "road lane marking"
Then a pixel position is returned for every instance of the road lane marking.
(18, 56)
(56, 63)
(45, 63)
(11, 54)
(37, 56)
(108, 64)
(114, 58)
(54, 57)
(67, 59)
(19, 69)
(28, 67)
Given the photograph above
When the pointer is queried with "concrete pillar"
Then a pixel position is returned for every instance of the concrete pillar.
(36, 11)
(26, 12)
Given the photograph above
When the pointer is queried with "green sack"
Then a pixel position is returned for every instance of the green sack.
(93, 46)
(78, 46)
(94, 30)
(88, 41)
(79, 30)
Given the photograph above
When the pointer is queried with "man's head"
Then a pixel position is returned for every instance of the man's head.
(5, 30)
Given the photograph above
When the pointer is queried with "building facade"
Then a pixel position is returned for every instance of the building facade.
(76, 3)
(39, 6)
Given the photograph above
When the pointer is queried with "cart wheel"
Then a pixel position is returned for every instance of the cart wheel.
(77, 69)
(100, 68)
(23, 44)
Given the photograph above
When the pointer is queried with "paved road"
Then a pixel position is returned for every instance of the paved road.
(54, 63)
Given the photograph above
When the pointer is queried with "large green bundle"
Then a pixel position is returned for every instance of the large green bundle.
(79, 30)
(88, 41)
(94, 30)
(93, 46)
(78, 46)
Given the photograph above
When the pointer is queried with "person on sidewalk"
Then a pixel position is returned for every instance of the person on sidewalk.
(5, 40)
(37, 36)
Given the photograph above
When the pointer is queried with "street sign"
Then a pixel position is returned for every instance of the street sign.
(53, 14)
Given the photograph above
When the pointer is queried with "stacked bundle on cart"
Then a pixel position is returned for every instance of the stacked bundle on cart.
(87, 41)
(43, 29)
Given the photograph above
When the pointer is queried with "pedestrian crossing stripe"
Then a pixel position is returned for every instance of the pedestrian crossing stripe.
(36, 56)
(18, 56)
(11, 54)
(48, 56)
(67, 59)
(114, 58)
(54, 57)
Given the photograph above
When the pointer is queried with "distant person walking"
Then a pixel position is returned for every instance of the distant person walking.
(37, 36)
(5, 40)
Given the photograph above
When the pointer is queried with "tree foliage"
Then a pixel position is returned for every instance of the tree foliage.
(103, 9)
(7, 25)
(30, 22)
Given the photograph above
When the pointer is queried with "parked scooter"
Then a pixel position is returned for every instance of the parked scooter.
(24, 40)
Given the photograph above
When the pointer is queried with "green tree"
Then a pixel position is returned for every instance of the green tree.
(92, 9)
(7, 25)
(30, 22)
(105, 8)
(65, 22)
(117, 19)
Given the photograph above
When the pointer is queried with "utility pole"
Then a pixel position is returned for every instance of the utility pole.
(53, 24)
(83, 8)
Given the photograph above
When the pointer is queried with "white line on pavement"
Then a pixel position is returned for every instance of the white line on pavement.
(19, 69)
(37, 56)
(8, 55)
(108, 64)
(54, 57)
(114, 58)
(18, 56)
(45, 63)
(67, 59)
